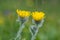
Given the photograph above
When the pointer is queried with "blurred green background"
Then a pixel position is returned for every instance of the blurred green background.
(8, 16)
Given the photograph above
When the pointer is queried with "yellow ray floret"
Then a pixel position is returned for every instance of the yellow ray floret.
(23, 13)
(37, 16)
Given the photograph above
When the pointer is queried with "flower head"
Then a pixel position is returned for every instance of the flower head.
(23, 14)
(37, 16)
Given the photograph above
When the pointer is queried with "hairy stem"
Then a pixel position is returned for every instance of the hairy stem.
(33, 36)
(19, 32)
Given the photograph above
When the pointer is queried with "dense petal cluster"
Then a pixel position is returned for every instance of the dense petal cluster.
(23, 14)
(37, 16)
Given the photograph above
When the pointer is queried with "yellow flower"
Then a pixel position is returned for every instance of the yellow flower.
(37, 16)
(1, 21)
(23, 14)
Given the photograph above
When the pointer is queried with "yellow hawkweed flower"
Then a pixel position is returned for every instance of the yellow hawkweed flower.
(37, 16)
(23, 14)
